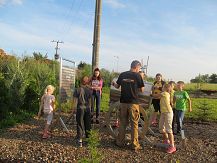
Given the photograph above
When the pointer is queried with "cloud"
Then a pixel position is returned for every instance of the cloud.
(115, 3)
(14, 2)
(173, 61)
(17, 2)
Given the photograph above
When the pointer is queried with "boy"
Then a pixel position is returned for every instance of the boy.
(166, 118)
(47, 107)
(82, 103)
(180, 99)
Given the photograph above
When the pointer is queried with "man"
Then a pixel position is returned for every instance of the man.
(131, 84)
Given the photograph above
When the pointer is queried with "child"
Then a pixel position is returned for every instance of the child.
(166, 118)
(172, 83)
(82, 103)
(180, 99)
(156, 91)
(47, 107)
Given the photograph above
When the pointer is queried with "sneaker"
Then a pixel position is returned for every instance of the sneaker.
(80, 143)
(45, 136)
(136, 149)
(154, 124)
(171, 150)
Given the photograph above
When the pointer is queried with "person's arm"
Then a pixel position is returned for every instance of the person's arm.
(74, 104)
(41, 107)
(167, 102)
(115, 85)
(174, 100)
(75, 101)
(189, 105)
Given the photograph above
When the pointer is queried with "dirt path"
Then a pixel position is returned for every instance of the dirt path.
(24, 143)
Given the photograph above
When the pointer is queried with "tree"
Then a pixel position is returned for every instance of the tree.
(39, 56)
(200, 79)
(213, 78)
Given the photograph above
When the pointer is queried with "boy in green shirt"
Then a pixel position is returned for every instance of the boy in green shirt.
(180, 99)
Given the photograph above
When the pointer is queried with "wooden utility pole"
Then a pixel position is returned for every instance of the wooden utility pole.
(56, 55)
(96, 35)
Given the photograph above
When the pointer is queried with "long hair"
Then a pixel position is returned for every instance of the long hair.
(98, 77)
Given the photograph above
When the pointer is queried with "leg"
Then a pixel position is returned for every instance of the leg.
(98, 99)
(134, 119)
(168, 127)
(156, 105)
(49, 117)
(162, 128)
(173, 122)
(80, 123)
(87, 122)
(123, 124)
(92, 106)
(179, 120)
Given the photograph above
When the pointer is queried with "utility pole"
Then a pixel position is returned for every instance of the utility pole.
(117, 62)
(56, 55)
(96, 35)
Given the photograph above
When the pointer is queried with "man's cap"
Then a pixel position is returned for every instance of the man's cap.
(135, 63)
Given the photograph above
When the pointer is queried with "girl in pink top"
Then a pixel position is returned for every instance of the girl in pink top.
(96, 83)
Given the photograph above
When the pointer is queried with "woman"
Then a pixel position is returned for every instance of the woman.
(156, 94)
(96, 83)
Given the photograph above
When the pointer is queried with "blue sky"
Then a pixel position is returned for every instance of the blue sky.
(179, 36)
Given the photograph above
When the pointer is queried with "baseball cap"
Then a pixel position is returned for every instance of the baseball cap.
(135, 63)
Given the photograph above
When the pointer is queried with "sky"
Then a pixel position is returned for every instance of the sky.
(178, 36)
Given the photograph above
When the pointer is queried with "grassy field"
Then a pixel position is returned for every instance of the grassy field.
(203, 86)
(203, 109)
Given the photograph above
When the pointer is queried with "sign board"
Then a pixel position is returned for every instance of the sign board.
(67, 79)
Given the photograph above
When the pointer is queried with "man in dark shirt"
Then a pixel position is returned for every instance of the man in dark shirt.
(131, 84)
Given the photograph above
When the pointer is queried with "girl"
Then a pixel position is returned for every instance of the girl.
(96, 86)
(166, 118)
(47, 108)
(156, 91)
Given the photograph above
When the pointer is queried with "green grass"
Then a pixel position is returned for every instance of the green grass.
(105, 99)
(203, 86)
(197, 113)
(13, 119)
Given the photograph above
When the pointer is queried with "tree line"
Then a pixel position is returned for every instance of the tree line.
(205, 78)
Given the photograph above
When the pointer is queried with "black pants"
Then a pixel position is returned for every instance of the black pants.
(83, 119)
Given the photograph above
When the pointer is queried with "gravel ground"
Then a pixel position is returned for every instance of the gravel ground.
(23, 143)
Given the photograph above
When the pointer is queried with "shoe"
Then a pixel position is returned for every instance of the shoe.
(80, 143)
(97, 121)
(154, 124)
(45, 136)
(116, 124)
(171, 149)
(136, 149)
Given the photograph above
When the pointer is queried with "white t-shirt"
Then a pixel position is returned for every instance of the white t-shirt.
(47, 103)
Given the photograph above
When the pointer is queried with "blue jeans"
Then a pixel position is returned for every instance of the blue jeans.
(179, 120)
(96, 98)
